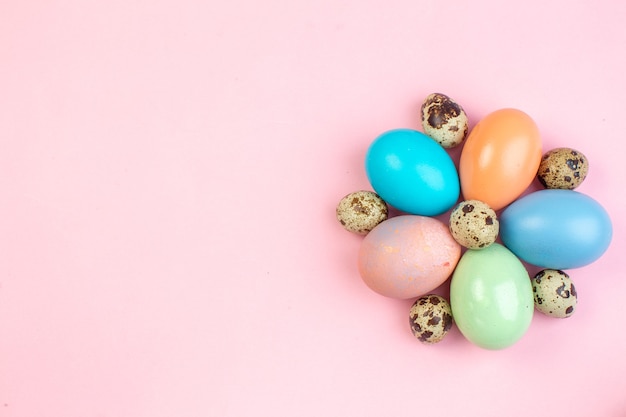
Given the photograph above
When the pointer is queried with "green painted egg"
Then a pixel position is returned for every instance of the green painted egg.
(491, 297)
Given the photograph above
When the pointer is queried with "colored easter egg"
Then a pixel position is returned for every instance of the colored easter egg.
(556, 229)
(500, 158)
(407, 256)
(412, 172)
(491, 297)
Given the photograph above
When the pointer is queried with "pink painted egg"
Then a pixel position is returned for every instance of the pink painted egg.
(408, 256)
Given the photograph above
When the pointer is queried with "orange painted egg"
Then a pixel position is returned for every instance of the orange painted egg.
(500, 158)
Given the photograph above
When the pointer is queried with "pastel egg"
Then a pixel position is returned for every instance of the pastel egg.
(474, 224)
(563, 168)
(407, 256)
(491, 297)
(430, 318)
(412, 172)
(361, 211)
(556, 229)
(555, 294)
(444, 120)
(500, 158)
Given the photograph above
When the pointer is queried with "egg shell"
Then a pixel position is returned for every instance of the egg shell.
(361, 211)
(491, 297)
(563, 168)
(407, 256)
(430, 318)
(500, 158)
(556, 229)
(474, 224)
(555, 294)
(444, 120)
(412, 172)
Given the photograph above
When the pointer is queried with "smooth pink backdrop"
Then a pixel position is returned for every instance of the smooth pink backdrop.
(169, 172)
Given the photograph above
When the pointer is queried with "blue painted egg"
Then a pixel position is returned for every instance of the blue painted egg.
(412, 172)
(556, 229)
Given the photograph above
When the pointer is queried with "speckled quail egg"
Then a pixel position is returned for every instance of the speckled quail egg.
(562, 168)
(361, 211)
(554, 293)
(444, 120)
(430, 318)
(474, 225)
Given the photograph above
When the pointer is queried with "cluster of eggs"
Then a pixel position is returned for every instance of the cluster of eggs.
(492, 298)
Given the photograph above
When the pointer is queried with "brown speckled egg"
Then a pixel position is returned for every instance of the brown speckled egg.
(361, 211)
(554, 293)
(444, 120)
(430, 318)
(474, 224)
(562, 168)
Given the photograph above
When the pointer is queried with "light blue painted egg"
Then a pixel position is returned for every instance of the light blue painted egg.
(556, 229)
(412, 172)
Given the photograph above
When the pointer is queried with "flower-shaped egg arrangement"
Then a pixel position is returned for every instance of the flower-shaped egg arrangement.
(492, 298)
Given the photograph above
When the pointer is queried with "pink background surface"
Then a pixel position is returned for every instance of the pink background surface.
(169, 172)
